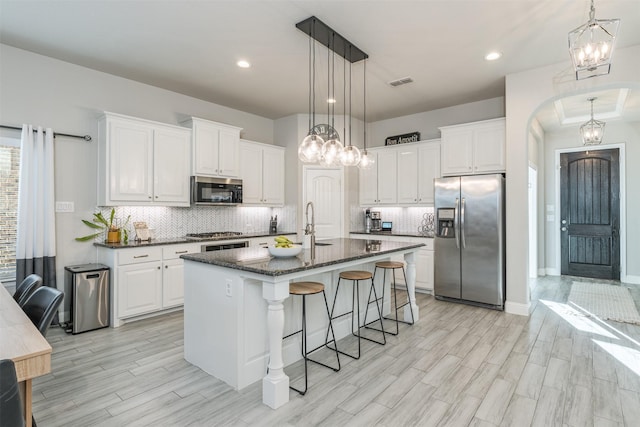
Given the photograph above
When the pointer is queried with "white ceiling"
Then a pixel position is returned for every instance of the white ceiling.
(191, 47)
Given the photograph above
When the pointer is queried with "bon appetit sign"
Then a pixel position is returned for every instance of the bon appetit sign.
(402, 139)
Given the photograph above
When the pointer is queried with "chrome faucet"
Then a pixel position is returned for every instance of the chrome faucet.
(310, 229)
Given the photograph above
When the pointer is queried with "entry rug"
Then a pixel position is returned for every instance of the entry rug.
(608, 302)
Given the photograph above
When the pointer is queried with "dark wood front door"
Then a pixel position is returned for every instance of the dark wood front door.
(590, 213)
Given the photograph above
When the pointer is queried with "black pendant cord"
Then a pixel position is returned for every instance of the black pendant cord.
(310, 41)
(333, 85)
(364, 100)
(85, 137)
(314, 75)
(344, 102)
(350, 103)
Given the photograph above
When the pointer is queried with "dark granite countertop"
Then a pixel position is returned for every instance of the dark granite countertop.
(258, 260)
(178, 240)
(394, 233)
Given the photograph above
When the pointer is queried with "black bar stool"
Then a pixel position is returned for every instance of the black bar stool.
(356, 277)
(304, 289)
(393, 266)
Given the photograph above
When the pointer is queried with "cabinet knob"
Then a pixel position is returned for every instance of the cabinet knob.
(415, 200)
(156, 197)
(158, 267)
(149, 196)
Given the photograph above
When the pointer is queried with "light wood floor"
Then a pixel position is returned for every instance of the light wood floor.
(458, 366)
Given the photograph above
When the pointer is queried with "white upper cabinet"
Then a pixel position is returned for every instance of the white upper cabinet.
(428, 170)
(215, 148)
(263, 172)
(142, 162)
(473, 148)
(402, 175)
(171, 149)
(407, 173)
(378, 184)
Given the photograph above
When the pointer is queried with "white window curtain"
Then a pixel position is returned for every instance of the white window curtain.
(36, 238)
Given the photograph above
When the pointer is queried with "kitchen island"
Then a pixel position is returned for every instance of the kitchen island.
(236, 300)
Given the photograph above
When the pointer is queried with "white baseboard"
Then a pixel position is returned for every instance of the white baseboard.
(517, 308)
(542, 272)
(553, 272)
(630, 279)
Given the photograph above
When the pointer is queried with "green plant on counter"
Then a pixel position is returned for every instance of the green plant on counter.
(108, 227)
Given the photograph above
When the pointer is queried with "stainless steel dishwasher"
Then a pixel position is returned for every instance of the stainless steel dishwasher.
(90, 302)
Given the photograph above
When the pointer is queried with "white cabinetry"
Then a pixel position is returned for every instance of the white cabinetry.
(263, 172)
(215, 148)
(142, 162)
(473, 148)
(145, 280)
(424, 258)
(402, 175)
(378, 184)
(418, 165)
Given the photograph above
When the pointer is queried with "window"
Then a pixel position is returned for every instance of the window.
(9, 178)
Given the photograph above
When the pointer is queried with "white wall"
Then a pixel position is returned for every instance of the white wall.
(43, 91)
(526, 93)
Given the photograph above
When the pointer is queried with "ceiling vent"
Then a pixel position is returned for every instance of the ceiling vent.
(400, 82)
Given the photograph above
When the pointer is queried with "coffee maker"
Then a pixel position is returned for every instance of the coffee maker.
(376, 222)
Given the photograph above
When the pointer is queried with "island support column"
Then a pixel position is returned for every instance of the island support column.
(410, 258)
(275, 385)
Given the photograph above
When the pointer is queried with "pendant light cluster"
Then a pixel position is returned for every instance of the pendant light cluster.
(591, 46)
(313, 148)
(593, 130)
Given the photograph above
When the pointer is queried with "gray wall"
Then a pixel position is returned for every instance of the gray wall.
(427, 123)
(43, 91)
(616, 133)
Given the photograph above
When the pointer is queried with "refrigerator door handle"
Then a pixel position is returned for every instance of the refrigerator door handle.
(456, 228)
(464, 243)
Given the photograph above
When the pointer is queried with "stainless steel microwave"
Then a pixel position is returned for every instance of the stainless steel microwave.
(215, 191)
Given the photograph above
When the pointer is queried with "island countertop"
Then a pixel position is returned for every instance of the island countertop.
(328, 252)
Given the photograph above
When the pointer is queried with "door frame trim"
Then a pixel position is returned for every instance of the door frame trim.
(623, 208)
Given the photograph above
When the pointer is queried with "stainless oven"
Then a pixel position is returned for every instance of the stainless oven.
(215, 191)
(214, 246)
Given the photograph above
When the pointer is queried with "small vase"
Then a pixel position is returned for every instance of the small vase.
(113, 236)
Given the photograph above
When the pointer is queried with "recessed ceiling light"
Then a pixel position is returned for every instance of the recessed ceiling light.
(243, 64)
(492, 56)
(331, 101)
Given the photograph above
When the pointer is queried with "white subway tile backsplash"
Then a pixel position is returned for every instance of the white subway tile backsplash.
(170, 222)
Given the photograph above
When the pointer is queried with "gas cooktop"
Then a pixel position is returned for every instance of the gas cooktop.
(212, 235)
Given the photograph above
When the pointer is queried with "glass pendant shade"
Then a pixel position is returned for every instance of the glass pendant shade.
(591, 46)
(350, 156)
(593, 130)
(331, 152)
(310, 149)
(367, 160)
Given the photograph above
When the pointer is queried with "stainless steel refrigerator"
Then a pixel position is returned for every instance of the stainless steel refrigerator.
(469, 240)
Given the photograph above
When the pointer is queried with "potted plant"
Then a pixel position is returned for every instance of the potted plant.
(113, 232)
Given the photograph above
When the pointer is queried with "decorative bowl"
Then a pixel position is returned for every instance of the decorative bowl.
(285, 252)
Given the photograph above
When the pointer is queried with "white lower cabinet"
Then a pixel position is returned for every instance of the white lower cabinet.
(145, 280)
(139, 288)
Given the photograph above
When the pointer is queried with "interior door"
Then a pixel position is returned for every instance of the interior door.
(323, 187)
(590, 213)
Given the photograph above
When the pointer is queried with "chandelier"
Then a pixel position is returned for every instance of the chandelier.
(593, 130)
(328, 151)
(591, 46)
